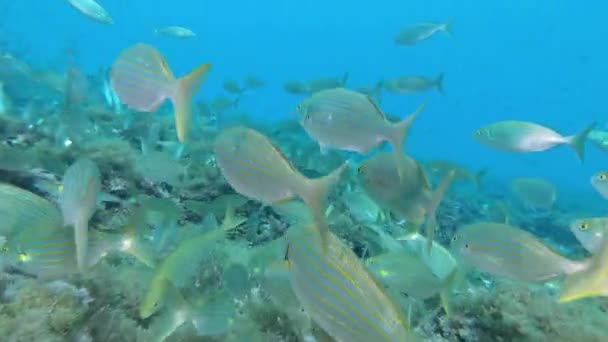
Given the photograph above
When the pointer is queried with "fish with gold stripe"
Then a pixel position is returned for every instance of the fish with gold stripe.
(336, 290)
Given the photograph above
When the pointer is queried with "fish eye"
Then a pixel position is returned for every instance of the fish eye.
(22, 257)
(359, 170)
(299, 106)
(602, 176)
(466, 246)
(479, 132)
(455, 238)
(584, 225)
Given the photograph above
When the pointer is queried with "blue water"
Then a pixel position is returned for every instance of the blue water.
(539, 61)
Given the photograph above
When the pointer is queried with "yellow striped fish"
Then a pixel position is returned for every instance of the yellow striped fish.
(589, 282)
(348, 120)
(21, 209)
(78, 199)
(511, 252)
(338, 293)
(143, 81)
(256, 168)
(37, 241)
(43, 251)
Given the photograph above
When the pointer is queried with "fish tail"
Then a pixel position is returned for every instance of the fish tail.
(477, 177)
(589, 282)
(315, 196)
(397, 134)
(81, 242)
(212, 316)
(447, 28)
(344, 79)
(577, 142)
(431, 220)
(187, 86)
(452, 281)
(439, 83)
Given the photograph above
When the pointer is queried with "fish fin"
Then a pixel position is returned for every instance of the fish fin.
(315, 197)
(231, 221)
(439, 83)
(577, 142)
(81, 239)
(431, 220)
(324, 150)
(130, 240)
(446, 290)
(589, 282)
(213, 315)
(397, 134)
(187, 86)
(447, 28)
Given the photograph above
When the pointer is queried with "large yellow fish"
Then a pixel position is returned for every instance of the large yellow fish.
(511, 252)
(78, 200)
(255, 168)
(338, 293)
(142, 79)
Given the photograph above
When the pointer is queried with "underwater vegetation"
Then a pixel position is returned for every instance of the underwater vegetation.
(132, 210)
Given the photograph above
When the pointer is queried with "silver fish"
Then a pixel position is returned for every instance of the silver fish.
(417, 33)
(93, 10)
(524, 136)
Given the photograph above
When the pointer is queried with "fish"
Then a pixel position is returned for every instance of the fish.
(410, 198)
(511, 252)
(337, 291)
(221, 104)
(326, 83)
(591, 281)
(442, 167)
(142, 79)
(525, 136)
(81, 187)
(599, 181)
(410, 270)
(599, 138)
(93, 10)
(177, 268)
(296, 87)
(536, 193)
(111, 98)
(6, 104)
(497, 211)
(361, 207)
(413, 84)
(420, 32)
(347, 120)
(36, 239)
(590, 232)
(233, 87)
(175, 31)
(252, 82)
(210, 314)
(255, 168)
(20, 209)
